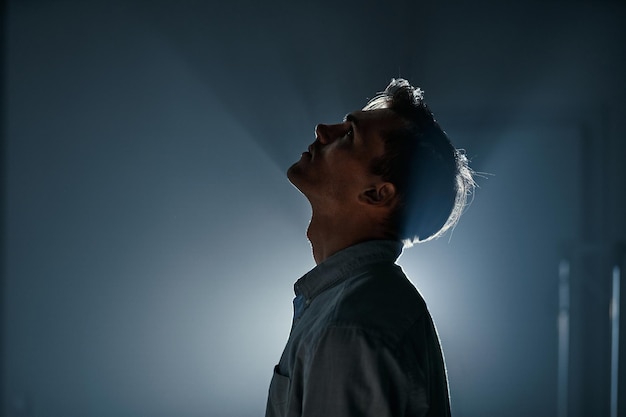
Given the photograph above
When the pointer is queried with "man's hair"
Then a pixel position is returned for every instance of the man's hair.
(432, 177)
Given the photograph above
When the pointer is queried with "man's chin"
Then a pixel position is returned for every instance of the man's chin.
(295, 175)
(296, 170)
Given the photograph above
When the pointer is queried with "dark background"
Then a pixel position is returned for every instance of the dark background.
(151, 239)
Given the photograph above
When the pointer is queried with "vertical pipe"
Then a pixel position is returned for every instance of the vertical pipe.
(4, 34)
(563, 343)
(615, 300)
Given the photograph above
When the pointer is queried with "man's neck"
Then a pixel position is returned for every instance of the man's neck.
(329, 233)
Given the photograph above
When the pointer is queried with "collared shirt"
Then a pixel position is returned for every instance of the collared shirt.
(362, 343)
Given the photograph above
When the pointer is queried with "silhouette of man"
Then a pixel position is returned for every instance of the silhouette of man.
(362, 341)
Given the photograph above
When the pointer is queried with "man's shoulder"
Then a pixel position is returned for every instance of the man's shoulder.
(380, 300)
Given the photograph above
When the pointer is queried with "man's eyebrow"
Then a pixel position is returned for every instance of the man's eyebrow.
(350, 118)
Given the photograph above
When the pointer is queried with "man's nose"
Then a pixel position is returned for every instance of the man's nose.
(323, 133)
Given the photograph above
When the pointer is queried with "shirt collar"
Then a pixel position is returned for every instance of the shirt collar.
(338, 267)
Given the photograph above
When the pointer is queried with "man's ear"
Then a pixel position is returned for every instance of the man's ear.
(382, 194)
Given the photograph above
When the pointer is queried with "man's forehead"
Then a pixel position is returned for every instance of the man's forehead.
(374, 117)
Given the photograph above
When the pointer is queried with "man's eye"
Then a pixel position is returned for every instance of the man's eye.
(350, 133)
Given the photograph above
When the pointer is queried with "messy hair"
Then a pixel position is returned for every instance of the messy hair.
(432, 178)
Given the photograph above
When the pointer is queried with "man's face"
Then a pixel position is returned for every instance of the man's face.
(336, 167)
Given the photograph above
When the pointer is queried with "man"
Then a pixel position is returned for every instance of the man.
(362, 341)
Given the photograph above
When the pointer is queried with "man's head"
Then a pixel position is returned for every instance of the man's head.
(431, 177)
(391, 159)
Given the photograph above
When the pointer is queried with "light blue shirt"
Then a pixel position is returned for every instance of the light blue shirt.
(362, 343)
